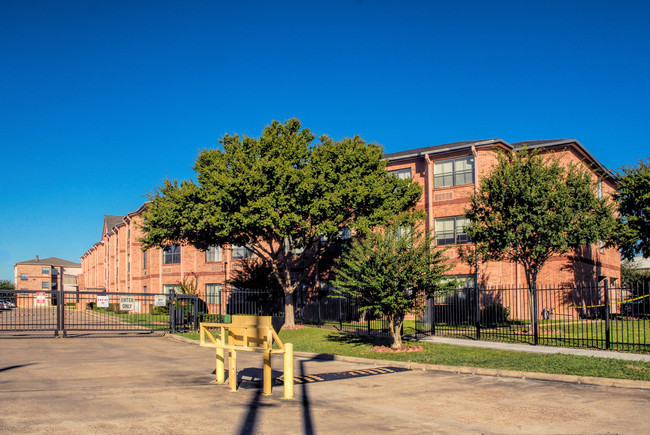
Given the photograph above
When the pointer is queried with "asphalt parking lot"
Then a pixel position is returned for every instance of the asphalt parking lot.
(153, 384)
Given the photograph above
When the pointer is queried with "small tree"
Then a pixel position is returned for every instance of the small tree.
(392, 272)
(531, 208)
(633, 225)
(7, 285)
(284, 198)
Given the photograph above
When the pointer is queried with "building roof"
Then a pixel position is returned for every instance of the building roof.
(110, 221)
(443, 148)
(544, 143)
(50, 261)
(549, 143)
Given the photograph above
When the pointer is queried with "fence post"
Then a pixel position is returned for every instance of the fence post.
(319, 322)
(477, 295)
(340, 316)
(196, 312)
(172, 312)
(62, 307)
(607, 325)
(433, 315)
(535, 318)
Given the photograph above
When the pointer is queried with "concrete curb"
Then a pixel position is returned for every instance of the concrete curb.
(464, 370)
(479, 371)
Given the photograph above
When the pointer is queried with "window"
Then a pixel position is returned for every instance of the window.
(600, 189)
(465, 281)
(213, 254)
(241, 252)
(144, 259)
(453, 172)
(45, 284)
(169, 288)
(449, 231)
(402, 232)
(213, 294)
(45, 270)
(172, 254)
(23, 277)
(402, 174)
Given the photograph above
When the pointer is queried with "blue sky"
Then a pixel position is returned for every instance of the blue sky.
(100, 101)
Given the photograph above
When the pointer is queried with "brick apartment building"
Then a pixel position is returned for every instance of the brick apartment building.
(47, 274)
(448, 174)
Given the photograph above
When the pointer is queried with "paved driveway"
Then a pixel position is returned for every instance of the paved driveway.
(158, 385)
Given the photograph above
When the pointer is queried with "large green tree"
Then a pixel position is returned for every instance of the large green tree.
(284, 197)
(633, 225)
(531, 208)
(392, 272)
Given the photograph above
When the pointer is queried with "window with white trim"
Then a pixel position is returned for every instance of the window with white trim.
(213, 254)
(213, 294)
(453, 172)
(241, 252)
(169, 288)
(402, 174)
(450, 230)
(172, 254)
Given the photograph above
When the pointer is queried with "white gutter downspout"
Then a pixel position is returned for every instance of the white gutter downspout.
(429, 196)
(475, 154)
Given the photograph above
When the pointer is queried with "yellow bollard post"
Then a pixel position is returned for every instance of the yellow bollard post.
(232, 370)
(221, 367)
(267, 373)
(288, 371)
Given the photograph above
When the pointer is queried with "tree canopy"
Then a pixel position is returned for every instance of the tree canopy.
(392, 272)
(282, 196)
(530, 208)
(633, 226)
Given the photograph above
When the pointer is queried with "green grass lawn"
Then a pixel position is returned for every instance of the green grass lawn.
(320, 340)
(152, 321)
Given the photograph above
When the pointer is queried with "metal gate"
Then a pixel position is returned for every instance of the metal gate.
(62, 311)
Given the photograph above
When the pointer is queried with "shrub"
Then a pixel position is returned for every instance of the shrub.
(494, 314)
(115, 308)
(90, 305)
(154, 310)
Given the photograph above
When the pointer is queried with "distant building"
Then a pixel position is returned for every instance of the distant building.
(47, 274)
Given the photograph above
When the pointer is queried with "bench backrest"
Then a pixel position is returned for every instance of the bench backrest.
(249, 331)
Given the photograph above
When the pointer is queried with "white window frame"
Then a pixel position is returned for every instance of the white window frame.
(213, 254)
(453, 177)
(459, 236)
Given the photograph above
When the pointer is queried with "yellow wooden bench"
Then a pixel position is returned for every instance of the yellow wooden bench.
(251, 334)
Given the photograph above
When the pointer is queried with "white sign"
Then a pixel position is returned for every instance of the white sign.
(40, 297)
(102, 301)
(160, 300)
(127, 303)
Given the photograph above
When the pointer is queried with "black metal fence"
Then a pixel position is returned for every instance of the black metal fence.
(586, 316)
(592, 316)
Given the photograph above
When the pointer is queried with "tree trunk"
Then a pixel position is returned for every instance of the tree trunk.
(531, 278)
(395, 326)
(289, 318)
